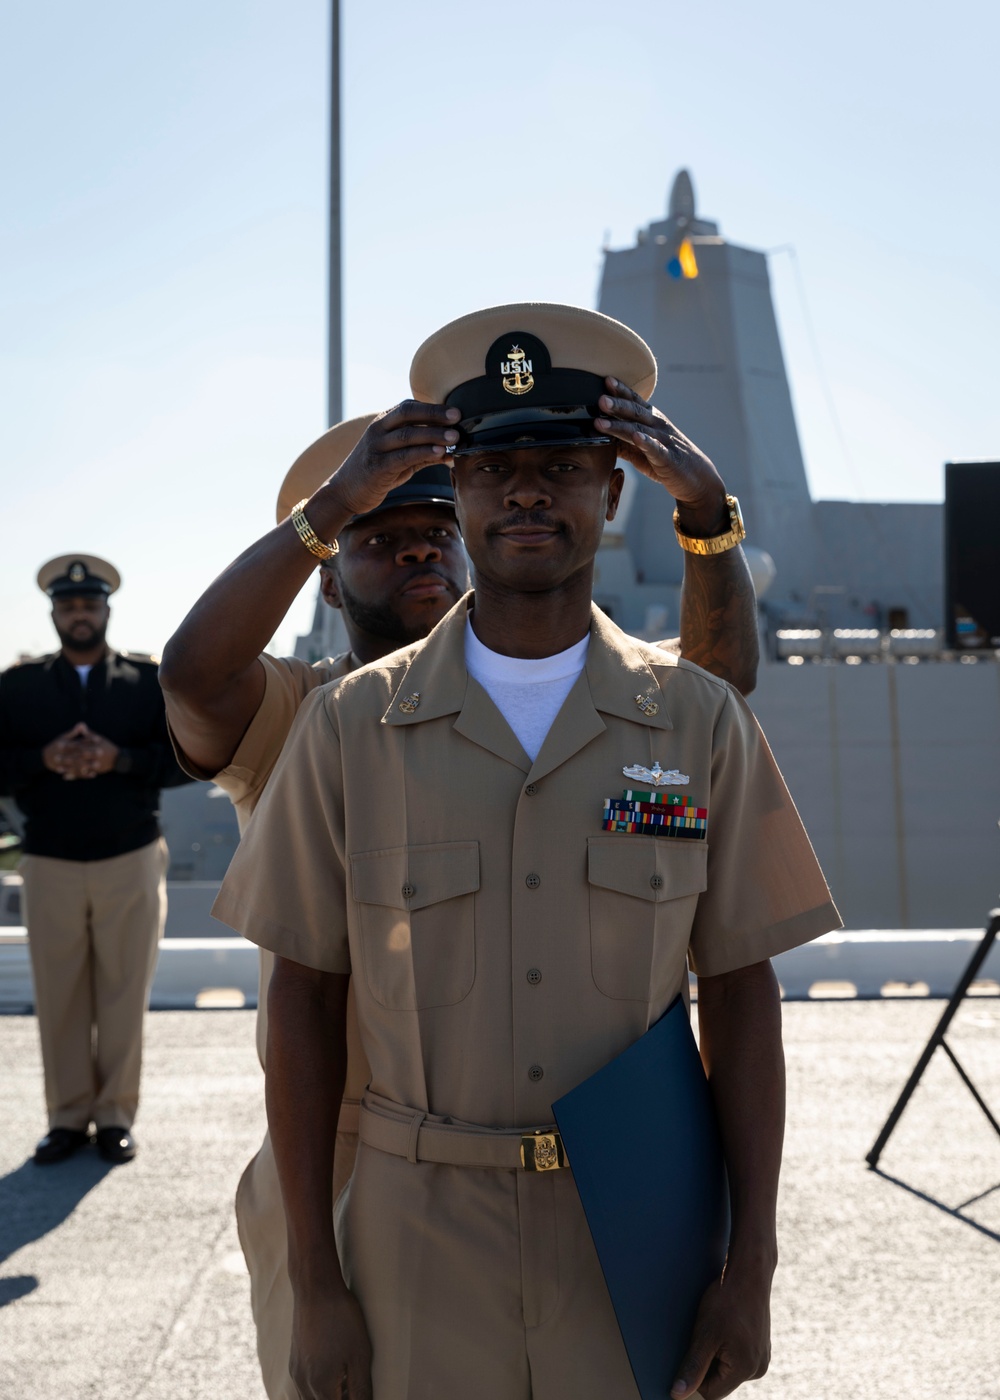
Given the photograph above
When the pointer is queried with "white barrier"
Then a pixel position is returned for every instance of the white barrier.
(189, 905)
(873, 960)
(217, 972)
(190, 972)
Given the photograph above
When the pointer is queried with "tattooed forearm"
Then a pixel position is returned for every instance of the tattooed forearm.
(719, 617)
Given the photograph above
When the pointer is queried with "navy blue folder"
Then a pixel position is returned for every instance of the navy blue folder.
(643, 1143)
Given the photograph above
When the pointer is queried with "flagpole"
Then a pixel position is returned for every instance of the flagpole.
(334, 358)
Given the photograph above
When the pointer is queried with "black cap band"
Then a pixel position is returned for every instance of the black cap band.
(521, 401)
(78, 582)
(568, 426)
(430, 486)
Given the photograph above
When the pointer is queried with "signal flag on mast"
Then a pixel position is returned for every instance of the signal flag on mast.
(683, 264)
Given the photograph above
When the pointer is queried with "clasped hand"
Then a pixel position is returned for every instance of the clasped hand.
(80, 753)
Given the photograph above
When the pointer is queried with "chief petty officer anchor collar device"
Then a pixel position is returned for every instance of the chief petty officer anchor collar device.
(529, 374)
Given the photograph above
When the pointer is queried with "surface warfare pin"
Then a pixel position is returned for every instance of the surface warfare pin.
(656, 776)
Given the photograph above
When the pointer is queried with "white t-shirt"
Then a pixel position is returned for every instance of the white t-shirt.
(83, 672)
(529, 694)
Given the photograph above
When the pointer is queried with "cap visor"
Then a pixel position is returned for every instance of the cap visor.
(401, 497)
(510, 438)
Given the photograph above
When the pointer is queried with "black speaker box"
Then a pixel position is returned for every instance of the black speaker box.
(972, 554)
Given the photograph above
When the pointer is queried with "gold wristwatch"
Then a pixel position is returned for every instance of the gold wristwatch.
(717, 544)
(308, 535)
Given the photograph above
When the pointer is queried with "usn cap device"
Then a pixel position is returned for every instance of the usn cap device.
(429, 486)
(529, 374)
(79, 576)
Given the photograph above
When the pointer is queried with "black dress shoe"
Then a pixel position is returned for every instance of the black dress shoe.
(116, 1144)
(59, 1143)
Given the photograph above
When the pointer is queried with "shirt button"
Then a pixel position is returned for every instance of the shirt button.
(535, 1073)
(533, 881)
(656, 881)
(408, 891)
(534, 976)
(531, 789)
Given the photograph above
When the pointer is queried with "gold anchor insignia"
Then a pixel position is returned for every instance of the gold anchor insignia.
(647, 704)
(516, 369)
(78, 573)
(409, 703)
(542, 1152)
(546, 1156)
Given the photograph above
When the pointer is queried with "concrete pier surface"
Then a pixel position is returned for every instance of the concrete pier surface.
(127, 1283)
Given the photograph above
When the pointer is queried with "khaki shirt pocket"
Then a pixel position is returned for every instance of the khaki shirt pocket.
(417, 922)
(643, 895)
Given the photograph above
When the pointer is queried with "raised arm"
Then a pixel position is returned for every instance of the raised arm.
(211, 678)
(719, 616)
(718, 605)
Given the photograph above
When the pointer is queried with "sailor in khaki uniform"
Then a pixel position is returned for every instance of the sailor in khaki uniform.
(438, 827)
(420, 517)
(422, 542)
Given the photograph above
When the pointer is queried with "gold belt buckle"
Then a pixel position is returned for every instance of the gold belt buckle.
(542, 1152)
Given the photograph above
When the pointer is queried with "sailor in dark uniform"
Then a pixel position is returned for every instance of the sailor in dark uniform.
(84, 751)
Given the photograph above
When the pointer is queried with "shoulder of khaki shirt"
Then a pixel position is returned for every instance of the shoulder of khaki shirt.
(366, 691)
(765, 894)
(287, 682)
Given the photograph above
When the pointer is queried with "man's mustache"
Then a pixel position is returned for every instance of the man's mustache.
(524, 519)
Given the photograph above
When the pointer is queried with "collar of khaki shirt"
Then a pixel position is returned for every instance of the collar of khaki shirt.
(621, 672)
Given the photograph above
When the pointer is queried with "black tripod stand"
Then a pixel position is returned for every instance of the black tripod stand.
(937, 1038)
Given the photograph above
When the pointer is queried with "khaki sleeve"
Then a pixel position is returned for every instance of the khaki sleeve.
(766, 892)
(287, 681)
(286, 887)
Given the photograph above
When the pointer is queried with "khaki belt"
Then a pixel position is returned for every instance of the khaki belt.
(406, 1132)
(350, 1111)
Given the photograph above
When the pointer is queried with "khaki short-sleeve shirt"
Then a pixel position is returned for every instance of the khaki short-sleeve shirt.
(287, 682)
(503, 945)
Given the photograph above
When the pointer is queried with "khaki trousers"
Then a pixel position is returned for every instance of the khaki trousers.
(260, 1215)
(478, 1281)
(473, 1281)
(260, 1223)
(93, 931)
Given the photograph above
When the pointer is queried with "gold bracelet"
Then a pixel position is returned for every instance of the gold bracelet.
(717, 544)
(308, 535)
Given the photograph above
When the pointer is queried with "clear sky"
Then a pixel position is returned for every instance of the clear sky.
(162, 242)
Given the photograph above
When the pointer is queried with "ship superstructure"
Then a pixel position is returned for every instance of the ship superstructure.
(889, 741)
(710, 320)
